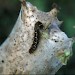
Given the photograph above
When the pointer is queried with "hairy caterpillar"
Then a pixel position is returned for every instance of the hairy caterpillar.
(37, 28)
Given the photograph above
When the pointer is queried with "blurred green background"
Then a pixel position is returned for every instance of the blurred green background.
(9, 11)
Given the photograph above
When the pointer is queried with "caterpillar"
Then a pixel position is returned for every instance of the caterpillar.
(36, 38)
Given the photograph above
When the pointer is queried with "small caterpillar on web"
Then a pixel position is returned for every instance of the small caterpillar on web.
(36, 40)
